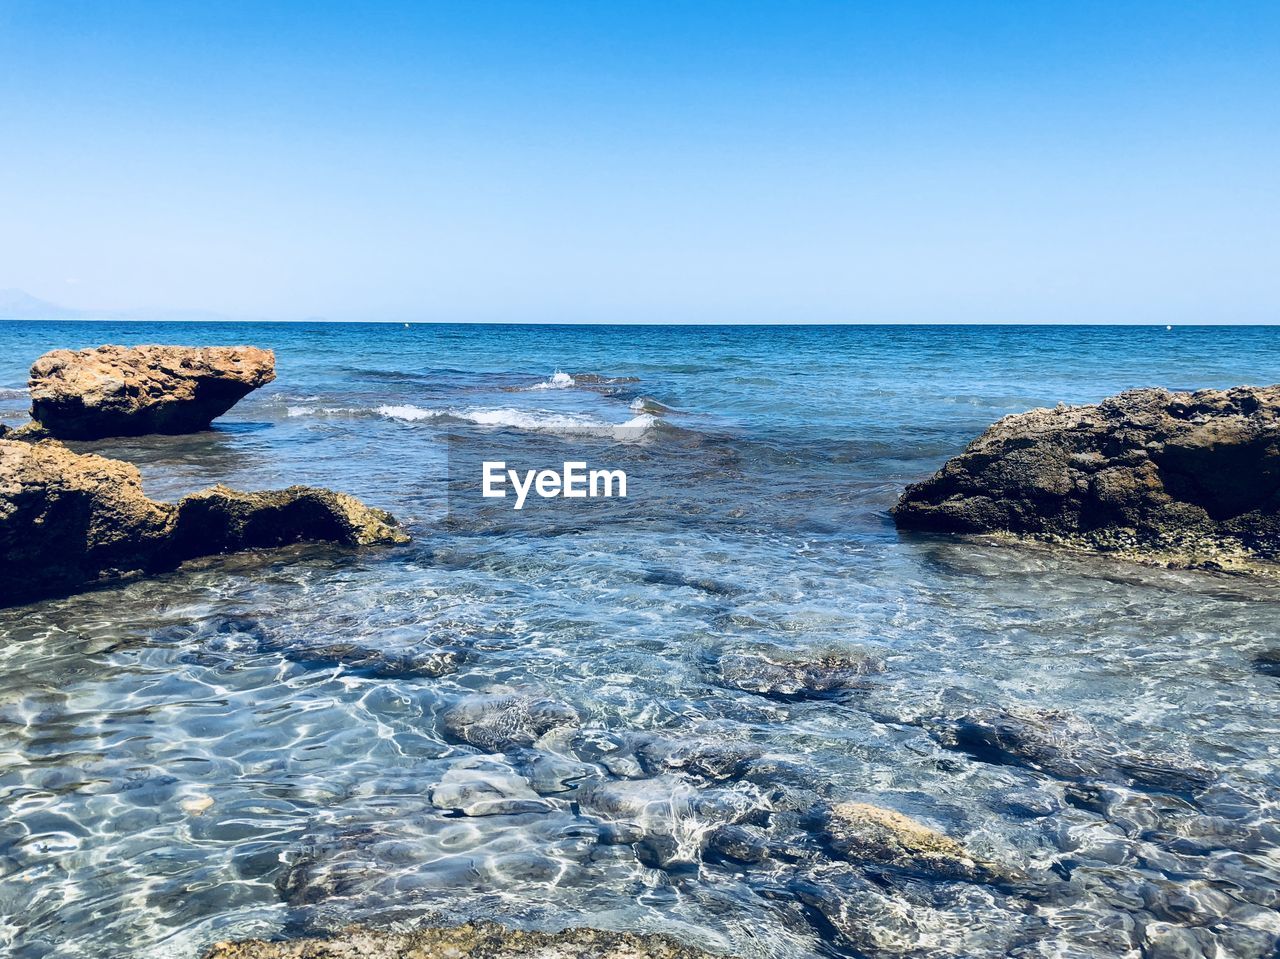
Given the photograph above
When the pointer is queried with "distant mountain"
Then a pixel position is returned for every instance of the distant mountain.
(21, 305)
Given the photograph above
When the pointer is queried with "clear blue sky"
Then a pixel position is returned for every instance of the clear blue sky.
(610, 161)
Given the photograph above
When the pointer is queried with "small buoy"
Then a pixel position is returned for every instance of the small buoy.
(406, 326)
(1167, 327)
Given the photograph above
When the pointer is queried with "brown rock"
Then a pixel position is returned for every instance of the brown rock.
(119, 391)
(1178, 479)
(861, 832)
(478, 940)
(222, 520)
(69, 521)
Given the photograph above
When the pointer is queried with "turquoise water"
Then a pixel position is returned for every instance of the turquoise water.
(194, 758)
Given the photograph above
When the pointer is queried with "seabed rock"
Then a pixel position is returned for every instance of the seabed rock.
(119, 391)
(70, 521)
(863, 833)
(667, 820)
(1061, 745)
(428, 663)
(478, 940)
(478, 787)
(501, 722)
(794, 674)
(1268, 663)
(1186, 480)
(708, 759)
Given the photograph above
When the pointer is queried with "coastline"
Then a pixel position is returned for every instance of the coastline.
(780, 729)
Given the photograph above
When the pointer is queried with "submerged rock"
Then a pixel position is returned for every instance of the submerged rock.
(710, 759)
(739, 844)
(477, 787)
(864, 917)
(1268, 663)
(431, 663)
(670, 577)
(69, 521)
(864, 833)
(479, 940)
(119, 391)
(1061, 745)
(793, 674)
(498, 723)
(667, 820)
(1178, 479)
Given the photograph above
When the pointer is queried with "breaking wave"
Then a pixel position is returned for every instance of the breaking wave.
(644, 404)
(541, 421)
(558, 381)
(595, 382)
(295, 411)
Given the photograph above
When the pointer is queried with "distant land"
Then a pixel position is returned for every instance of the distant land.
(16, 304)
(20, 305)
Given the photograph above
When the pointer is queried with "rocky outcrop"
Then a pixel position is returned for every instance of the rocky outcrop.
(119, 391)
(478, 940)
(222, 520)
(1177, 479)
(69, 521)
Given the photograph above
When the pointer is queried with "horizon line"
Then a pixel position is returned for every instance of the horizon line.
(659, 323)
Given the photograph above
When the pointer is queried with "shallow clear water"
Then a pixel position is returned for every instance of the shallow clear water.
(190, 759)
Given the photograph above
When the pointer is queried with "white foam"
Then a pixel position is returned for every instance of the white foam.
(645, 421)
(409, 413)
(530, 420)
(325, 411)
(558, 381)
(538, 421)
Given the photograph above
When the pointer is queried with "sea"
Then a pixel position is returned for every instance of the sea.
(575, 716)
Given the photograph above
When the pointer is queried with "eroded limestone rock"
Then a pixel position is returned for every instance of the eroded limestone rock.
(69, 521)
(121, 391)
(1175, 479)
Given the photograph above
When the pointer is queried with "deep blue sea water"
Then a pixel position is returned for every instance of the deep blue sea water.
(189, 759)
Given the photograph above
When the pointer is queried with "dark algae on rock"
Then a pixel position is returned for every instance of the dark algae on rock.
(1175, 479)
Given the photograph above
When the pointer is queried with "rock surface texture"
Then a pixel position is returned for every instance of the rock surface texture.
(119, 391)
(865, 833)
(480, 940)
(1178, 479)
(69, 521)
